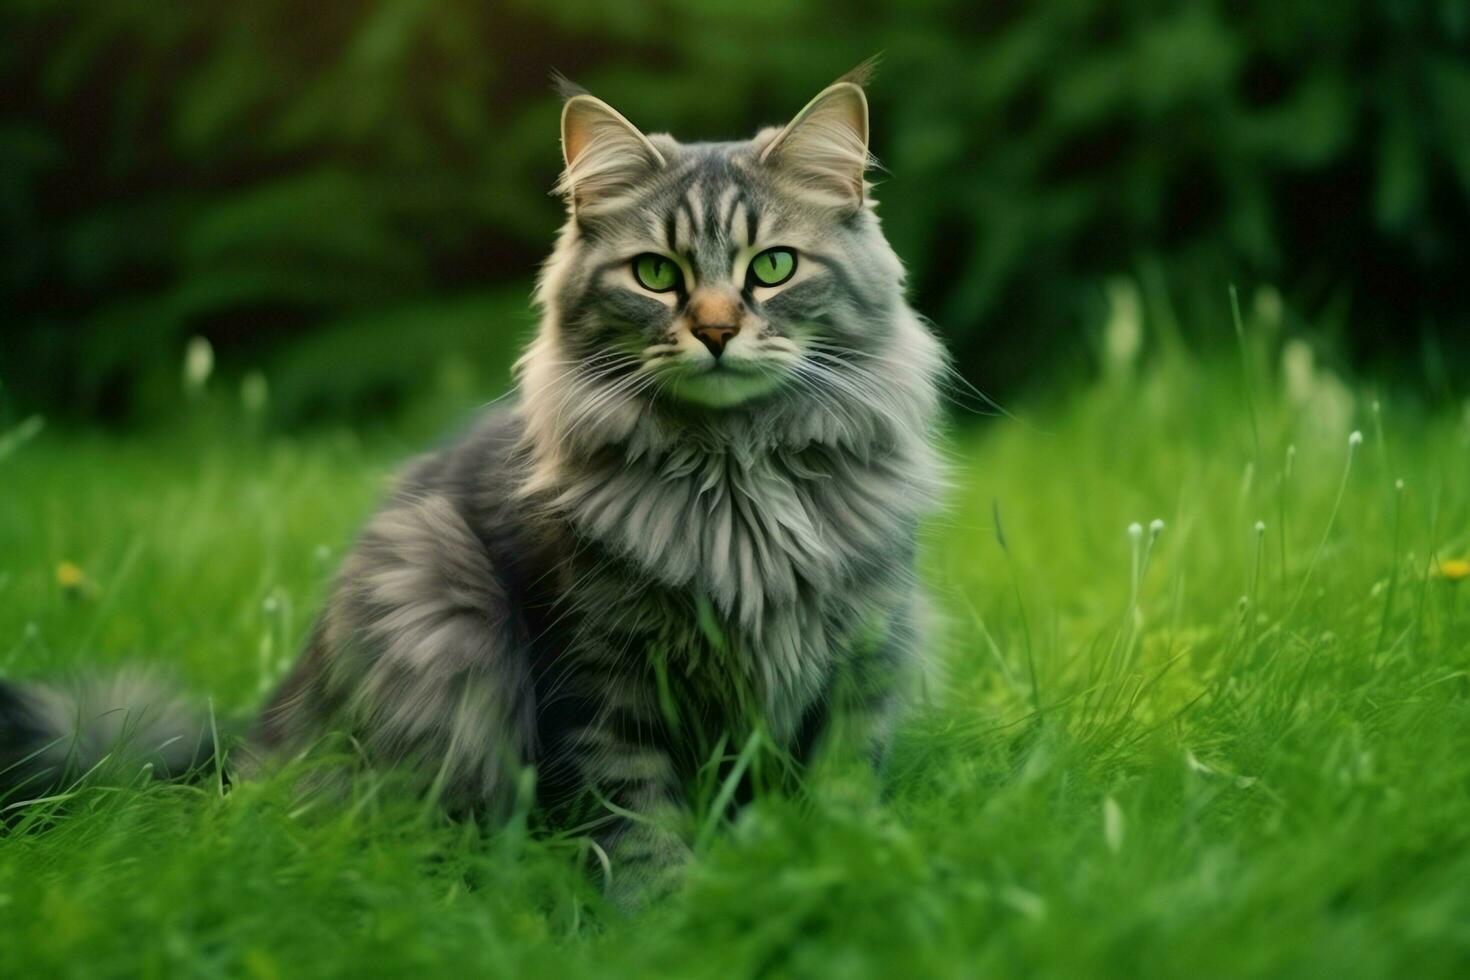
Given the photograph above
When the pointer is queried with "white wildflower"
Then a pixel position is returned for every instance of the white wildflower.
(1123, 333)
(255, 393)
(1268, 306)
(198, 364)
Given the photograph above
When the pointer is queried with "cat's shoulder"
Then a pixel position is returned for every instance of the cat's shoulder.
(479, 473)
(482, 456)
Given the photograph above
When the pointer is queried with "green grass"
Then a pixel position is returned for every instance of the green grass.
(1233, 754)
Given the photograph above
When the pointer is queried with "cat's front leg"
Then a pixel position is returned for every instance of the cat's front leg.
(871, 688)
(622, 761)
(647, 855)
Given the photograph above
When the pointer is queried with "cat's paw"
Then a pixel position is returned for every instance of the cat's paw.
(645, 868)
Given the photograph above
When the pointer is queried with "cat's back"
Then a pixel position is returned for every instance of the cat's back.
(481, 461)
(479, 473)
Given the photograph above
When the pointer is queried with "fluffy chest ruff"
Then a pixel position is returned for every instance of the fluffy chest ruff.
(750, 566)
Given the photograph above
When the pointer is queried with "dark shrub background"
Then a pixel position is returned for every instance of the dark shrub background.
(333, 192)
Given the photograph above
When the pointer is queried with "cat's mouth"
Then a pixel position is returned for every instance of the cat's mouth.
(725, 382)
(735, 369)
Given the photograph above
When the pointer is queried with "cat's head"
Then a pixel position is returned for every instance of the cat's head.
(711, 277)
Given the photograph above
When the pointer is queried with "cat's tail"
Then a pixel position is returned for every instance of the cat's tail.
(52, 735)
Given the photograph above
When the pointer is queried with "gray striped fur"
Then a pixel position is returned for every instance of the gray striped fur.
(642, 511)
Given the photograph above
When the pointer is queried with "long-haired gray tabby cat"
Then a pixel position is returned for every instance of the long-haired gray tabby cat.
(698, 517)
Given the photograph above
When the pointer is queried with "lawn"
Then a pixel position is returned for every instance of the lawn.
(1221, 746)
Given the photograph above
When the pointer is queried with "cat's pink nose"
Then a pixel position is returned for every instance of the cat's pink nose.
(714, 318)
(715, 336)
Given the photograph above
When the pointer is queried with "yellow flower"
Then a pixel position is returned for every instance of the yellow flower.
(75, 582)
(69, 575)
(1454, 570)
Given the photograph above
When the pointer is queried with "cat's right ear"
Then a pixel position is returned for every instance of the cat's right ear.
(606, 156)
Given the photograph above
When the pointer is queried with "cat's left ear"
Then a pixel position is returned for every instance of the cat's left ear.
(606, 155)
(825, 148)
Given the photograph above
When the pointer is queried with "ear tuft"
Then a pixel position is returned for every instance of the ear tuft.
(825, 148)
(863, 73)
(606, 155)
(564, 86)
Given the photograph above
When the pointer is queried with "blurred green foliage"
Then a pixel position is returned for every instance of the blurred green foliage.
(270, 174)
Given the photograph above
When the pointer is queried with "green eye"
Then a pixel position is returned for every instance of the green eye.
(773, 266)
(656, 272)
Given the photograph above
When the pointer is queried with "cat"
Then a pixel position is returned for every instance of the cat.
(697, 515)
